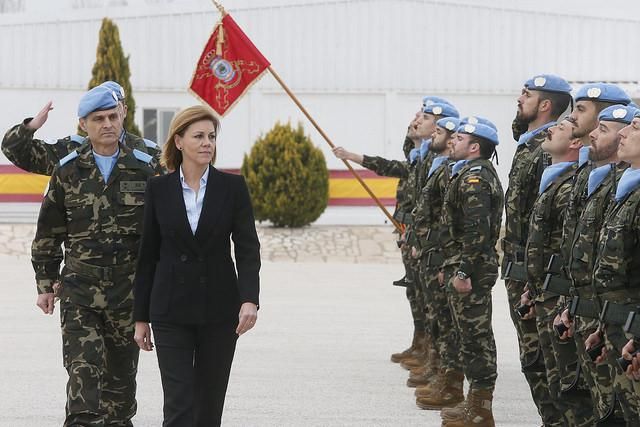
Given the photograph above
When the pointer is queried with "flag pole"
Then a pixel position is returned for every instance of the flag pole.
(293, 97)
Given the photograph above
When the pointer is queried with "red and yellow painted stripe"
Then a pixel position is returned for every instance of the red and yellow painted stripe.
(18, 186)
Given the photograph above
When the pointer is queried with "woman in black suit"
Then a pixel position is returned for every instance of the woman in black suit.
(186, 285)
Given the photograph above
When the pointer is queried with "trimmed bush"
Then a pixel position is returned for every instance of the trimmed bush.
(287, 177)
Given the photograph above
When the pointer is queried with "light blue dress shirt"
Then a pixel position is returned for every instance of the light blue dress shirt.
(106, 163)
(193, 200)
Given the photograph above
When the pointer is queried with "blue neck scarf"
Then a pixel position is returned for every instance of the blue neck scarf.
(436, 164)
(596, 177)
(457, 166)
(106, 163)
(526, 137)
(424, 148)
(413, 155)
(629, 182)
(583, 156)
(551, 173)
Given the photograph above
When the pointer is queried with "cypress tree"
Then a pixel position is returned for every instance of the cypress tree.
(112, 64)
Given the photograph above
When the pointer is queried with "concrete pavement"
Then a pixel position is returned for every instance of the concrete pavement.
(319, 355)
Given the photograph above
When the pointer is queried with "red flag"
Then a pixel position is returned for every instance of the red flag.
(228, 66)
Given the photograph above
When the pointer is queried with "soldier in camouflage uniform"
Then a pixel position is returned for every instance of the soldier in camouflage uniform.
(601, 187)
(420, 130)
(41, 157)
(570, 398)
(94, 206)
(616, 277)
(544, 98)
(442, 384)
(472, 214)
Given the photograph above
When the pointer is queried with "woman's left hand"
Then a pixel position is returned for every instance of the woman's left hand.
(247, 317)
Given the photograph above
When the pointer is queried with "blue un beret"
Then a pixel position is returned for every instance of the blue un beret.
(441, 109)
(97, 99)
(606, 92)
(483, 131)
(428, 100)
(449, 123)
(548, 83)
(618, 113)
(474, 120)
(115, 87)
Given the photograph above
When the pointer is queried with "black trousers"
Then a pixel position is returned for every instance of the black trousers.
(195, 361)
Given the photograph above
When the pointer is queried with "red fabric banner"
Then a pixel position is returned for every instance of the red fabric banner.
(228, 66)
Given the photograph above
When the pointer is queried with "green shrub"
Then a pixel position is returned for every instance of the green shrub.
(287, 177)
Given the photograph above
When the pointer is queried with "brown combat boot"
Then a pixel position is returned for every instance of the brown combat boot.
(458, 411)
(434, 386)
(449, 394)
(478, 413)
(431, 372)
(418, 336)
(420, 356)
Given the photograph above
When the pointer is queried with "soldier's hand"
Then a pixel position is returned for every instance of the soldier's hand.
(441, 278)
(568, 322)
(45, 302)
(462, 286)
(40, 118)
(632, 370)
(557, 321)
(593, 340)
(142, 336)
(343, 154)
(414, 252)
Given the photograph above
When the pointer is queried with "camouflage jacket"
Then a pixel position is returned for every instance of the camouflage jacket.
(41, 157)
(428, 211)
(577, 202)
(616, 275)
(545, 227)
(585, 239)
(472, 215)
(100, 224)
(524, 180)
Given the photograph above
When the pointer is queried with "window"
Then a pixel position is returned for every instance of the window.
(156, 123)
(11, 6)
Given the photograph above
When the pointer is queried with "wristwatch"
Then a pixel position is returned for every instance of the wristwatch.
(462, 275)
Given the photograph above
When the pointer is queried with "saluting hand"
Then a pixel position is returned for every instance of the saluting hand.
(247, 317)
(41, 117)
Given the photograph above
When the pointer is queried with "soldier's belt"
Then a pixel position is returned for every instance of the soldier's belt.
(632, 325)
(435, 259)
(616, 314)
(584, 308)
(515, 271)
(557, 284)
(97, 272)
(429, 241)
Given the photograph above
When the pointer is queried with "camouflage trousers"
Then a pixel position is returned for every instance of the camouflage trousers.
(570, 396)
(471, 315)
(439, 321)
(531, 360)
(623, 387)
(598, 378)
(99, 353)
(414, 289)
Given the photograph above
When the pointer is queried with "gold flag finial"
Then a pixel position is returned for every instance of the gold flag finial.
(220, 8)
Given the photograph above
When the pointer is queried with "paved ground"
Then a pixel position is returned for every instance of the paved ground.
(318, 356)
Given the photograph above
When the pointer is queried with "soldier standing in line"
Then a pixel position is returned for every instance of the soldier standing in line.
(544, 98)
(94, 206)
(472, 214)
(601, 187)
(571, 400)
(420, 129)
(616, 276)
(41, 157)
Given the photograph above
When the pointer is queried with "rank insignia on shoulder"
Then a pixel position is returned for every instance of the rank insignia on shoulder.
(150, 144)
(475, 168)
(142, 156)
(473, 180)
(66, 159)
(77, 138)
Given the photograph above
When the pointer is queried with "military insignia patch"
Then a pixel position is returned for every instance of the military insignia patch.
(450, 126)
(469, 128)
(473, 180)
(540, 81)
(473, 120)
(594, 92)
(619, 113)
(437, 110)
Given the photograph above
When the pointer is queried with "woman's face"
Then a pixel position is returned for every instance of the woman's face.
(198, 145)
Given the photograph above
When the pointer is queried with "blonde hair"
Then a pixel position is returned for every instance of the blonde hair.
(171, 156)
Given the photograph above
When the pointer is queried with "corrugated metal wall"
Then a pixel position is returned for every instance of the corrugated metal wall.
(341, 46)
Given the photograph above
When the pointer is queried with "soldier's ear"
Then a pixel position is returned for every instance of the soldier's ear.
(544, 105)
(83, 124)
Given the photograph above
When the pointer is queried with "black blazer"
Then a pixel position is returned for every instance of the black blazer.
(191, 279)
